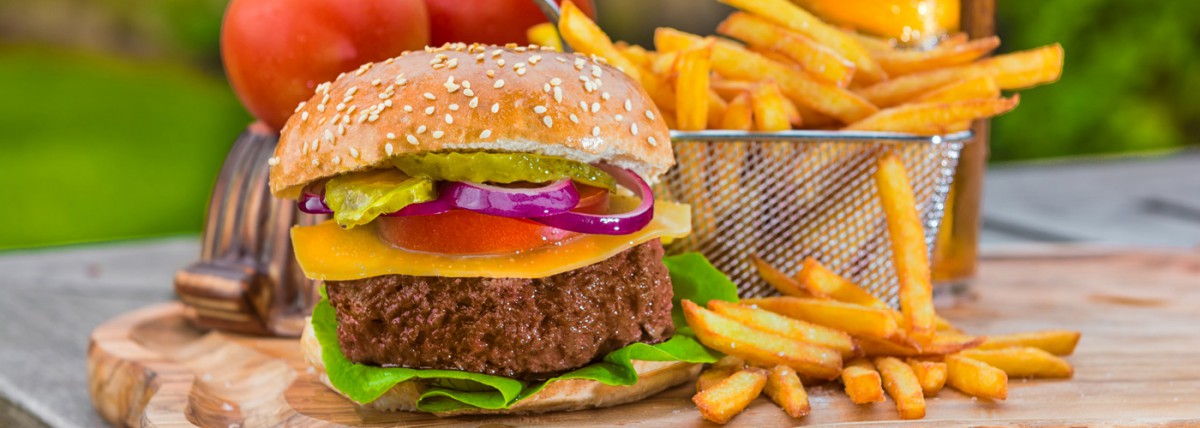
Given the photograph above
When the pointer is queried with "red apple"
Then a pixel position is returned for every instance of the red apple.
(487, 21)
(276, 52)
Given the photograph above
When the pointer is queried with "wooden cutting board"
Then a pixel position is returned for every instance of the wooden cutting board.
(1138, 363)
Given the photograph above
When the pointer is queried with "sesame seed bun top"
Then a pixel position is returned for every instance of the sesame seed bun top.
(459, 97)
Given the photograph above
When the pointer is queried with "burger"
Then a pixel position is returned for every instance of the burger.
(494, 244)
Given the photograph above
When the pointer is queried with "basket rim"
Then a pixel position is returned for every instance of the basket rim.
(810, 135)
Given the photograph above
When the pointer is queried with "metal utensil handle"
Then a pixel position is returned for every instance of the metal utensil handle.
(553, 13)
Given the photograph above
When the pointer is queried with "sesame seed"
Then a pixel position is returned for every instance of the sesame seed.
(401, 81)
(491, 73)
(474, 102)
(546, 88)
(429, 111)
(438, 134)
(589, 87)
(341, 106)
(548, 121)
(485, 134)
(350, 92)
(595, 131)
(328, 135)
(574, 118)
(649, 115)
(533, 60)
(453, 107)
(354, 153)
(376, 82)
(520, 71)
(652, 141)
(387, 103)
(421, 129)
(468, 92)
(618, 117)
(430, 96)
(496, 108)
(595, 107)
(558, 94)
(342, 129)
(539, 109)
(449, 119)
(412, 140)
(499, 84)
(452, 88)
(480, 57)
(408, 108)
(391, 136)
(628, 105)
(299, 106)
(497, 52)
(316, 162)
(274, 160)
(579, 62)
(596, 71)
(336, 117)
(583, 105)
(465, 84)
(372, 118)
(452, 63)
(303, 116)
(633, 128)
(518, 65)
(500, 62)
(605, 96)
(555, 81)
(336, 159)
(350, 110)
(387, 148)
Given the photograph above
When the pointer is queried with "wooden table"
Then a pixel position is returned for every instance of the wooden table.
(55, 297)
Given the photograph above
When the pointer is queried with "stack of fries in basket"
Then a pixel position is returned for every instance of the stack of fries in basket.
(794, 71)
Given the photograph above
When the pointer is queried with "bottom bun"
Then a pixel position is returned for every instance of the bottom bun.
(564, 395)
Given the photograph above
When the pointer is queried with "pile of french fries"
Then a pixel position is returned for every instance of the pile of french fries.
(787, 70)
(826, 328)
(794, 71)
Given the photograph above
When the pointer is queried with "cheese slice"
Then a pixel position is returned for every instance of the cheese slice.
(328, 252)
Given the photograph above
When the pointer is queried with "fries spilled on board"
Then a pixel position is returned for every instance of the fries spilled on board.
(778, 67)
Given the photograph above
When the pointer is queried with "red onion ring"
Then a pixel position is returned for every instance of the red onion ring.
(555, 198)
(610, 224)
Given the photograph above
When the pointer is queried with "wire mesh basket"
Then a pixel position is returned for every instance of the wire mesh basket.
(785, 196)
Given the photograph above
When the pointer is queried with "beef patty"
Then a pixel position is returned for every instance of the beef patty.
(529, 329)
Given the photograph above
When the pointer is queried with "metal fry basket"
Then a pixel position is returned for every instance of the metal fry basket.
(785, 196)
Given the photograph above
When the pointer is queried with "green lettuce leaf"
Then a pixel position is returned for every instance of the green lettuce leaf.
(693, 277)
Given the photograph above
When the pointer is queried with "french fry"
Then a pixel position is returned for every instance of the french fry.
(934, 118)
(792, 113)
(872, 44)
(853, 319)
(544, 34)
(785, 389)
(938, 345)
(585, 36)
(862, 381)
(781, 281)
(974, 377)
(910, 256)
(1057, 342)
(1024, 362)
(900, 383)
(691, 86)
(774, 323)
(664, 65)
(969, 89)
(731, 337)
(739, 116)
(822, 282)
(930, 374)
(730, 89)
(814, 58)
(788, 15)
(770, 112)
(716, 109)
(908, 61)
(723, 401)
(720, 370)
(638, 55)
(736, 62)
(1015, 70)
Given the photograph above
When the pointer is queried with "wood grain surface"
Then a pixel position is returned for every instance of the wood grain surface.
(1138, 363)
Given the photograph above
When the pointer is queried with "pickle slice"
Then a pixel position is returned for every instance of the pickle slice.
(482, 167)
(358, 198)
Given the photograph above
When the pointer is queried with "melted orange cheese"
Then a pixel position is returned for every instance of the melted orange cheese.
(328, 252)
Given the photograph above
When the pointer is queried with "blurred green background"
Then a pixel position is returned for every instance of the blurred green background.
(117, 115)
